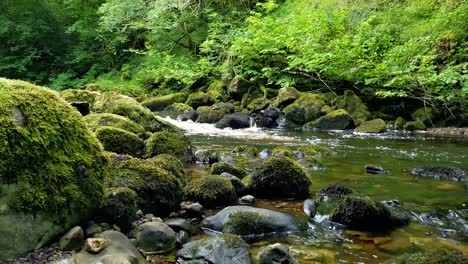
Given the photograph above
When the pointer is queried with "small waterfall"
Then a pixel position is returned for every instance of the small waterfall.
(252, 122)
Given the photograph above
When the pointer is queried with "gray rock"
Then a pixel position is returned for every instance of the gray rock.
(119, 251)
(247, 200)
(182, 237)
(195, 210)
(234, 121)
(178, 224)
(72, 240)
(225, 249)
(268, 118)
(155, 237)
(190, 115)
(268, 222)
(374, 169)
(310, 208)
(440, 172)
(276, 254)
(93, 229)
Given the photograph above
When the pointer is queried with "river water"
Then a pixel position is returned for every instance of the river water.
(439, 209)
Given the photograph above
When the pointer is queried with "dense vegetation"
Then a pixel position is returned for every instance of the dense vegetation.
(388, 48)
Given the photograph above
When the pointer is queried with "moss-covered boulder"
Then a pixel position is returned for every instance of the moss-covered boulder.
(372, 126)
(354, 106)
(425, 115)
(159, 103)
(361, 213)
(176, 109)
(306, 108)
(280, 177)
(218, 90)
(282, 151)
(246, 151)
(52, 169)
(435, 256)
(166, 142)
(120, 141)
(119, 207)
(198, 99)
(158, 190)
(336, 120)
(258, 104)
(286, 96)
(211, 191)
(218, 168)
(78, 96)
(97, 120)
(213, 114)
(238, 87)
(171, 164)
(399, 123)
(115, 103)
(414, 125)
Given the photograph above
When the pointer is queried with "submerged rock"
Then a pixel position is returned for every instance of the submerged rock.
(310, 208)
(246, 221)
(234, 121)
(226, 249)
(439, 172)
(276, 254)
(268, 118)
(335, 190)
(374, 169)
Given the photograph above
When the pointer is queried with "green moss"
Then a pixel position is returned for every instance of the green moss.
(158, 190)
(217, 90)
(258, 104)
(119, 207)
(218, 168)
(326, 109)
(95, 121)
(93, 87)
(400, 122)
(210, 115)
(198, 99)
(304, 109)
(171, 164)
(160, 102)
(211, 191)
(243, 223)
(247, 180)
(424, 114)
(47, 151)
(414, 125)
(286, 96)
(372, 126)
(336, 120)
(169, 143)
(176, 109)
(247, 151)
(353, 105)
(437, 256)
(283, 151)
(114, 103)
(74, 96)
(120, 141)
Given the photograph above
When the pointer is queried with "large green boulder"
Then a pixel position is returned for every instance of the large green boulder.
(336, 120)
(212, 114)
(354, 106)
(159, 103)
(115, 103)
(166, 142)
(424, 115)
(372, 126)
(158, 190)
(211, 191)
(198, 99)
(176, 109)
(287, 96)
(97, 120)
(220, 167)
(414, 125)
(52, 169)
(306, 108)
(120, 141)
(280, 177)
(171, 164)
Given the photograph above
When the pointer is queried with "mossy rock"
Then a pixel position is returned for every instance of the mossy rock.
(243, 223)
(238, 87)
(287, 96)
(211, 191)
(435, 256)
(336, 120)
(400, 123)
(159, 191)
(176, 109)
(166, 142)
(211, 115)
(414, 125)
(120, 141)
(76, 96)
(218, 90)
(97, 120)
(114, 103)
(119, 207)
(258, 104)
(246, 151)
(280, 177)
(306, 108)
(372, 126)
(171, 164)
(282, 151)
(361, 213)
(424, 114)
(51, 168)
(218, 168)
(159, 103)
(313, 150)
(198, 99)
(354, 106)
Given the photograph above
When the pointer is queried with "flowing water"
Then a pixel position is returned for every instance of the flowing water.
(439, 209)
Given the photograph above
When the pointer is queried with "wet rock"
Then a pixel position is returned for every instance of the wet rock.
(374, 169)
(155, 237)
(190, 115)
(72, 240)
(306, 108)
(239, 186)
(280, 177)
(264, 154)
(226, 249)
(335, 191)
(95, 245)
(246, 220)
(218, 168)
(276, 254)
(247, 200)
(268, 118)
(177, 109)
(182, 237)
(440, 172)
(392, 203)
(206, 156)
(195, 210)
(200, 99)
(350, 102)
(336, 120)
(120, 250)
(178, 224)
(234, 121)
(286, 96)
(372, 126)
(310, 208)
(361, 213)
